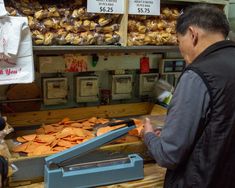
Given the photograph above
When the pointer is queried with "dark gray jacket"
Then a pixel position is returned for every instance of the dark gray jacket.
(206, 154)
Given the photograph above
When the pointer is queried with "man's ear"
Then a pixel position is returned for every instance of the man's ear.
(194, 35)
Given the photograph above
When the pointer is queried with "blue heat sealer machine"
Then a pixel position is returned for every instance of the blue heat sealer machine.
(59, 173)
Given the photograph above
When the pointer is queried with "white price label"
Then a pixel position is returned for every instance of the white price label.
(144, 7)
(106, 6)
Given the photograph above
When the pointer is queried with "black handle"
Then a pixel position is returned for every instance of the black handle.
(129, 122)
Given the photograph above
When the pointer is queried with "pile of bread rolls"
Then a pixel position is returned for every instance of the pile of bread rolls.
(153, 30)
(67, 23)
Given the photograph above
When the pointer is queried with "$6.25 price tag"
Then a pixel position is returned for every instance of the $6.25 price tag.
(105, 6)
(106, 9)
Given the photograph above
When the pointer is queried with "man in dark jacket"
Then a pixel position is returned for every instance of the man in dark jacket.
(197, 143)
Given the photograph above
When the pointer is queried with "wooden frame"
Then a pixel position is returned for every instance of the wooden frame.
(24, 119)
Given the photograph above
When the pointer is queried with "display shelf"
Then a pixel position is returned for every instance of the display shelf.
(123, 48)
(103, 48)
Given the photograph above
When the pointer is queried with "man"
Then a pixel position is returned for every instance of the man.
(197, 143)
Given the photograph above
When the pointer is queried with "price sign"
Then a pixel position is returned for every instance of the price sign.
(106, 6)
(144, 7)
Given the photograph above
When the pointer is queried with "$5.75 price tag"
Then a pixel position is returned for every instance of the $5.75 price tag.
(144, 7)
(106, 6)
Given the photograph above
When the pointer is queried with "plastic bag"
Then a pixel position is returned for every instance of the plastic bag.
(6, 129)
(163, 92)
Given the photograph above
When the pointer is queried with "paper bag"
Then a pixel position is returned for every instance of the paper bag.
(16, 55)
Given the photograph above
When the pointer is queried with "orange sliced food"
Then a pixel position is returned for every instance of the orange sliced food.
(58, 128)
(49, 129)
(90, 137)
(58, 148)
(70, 122)
(138, 122)
(65, 132)
(53, 125)
(20, 147)
(21, 139)
(40, 131)
(117, 126)
(45, 138)
(86, 139)
(66, 119)
(64, 143)
(78, 125)
(127, 138)
(73, 138)
(88, 133)
(56, 137)
(29, 137)
(32, 146)
(92, 120)
(102, 120)
(106, 129)
(87, 128)
(81, 120)
(87, 124)
(134, 132)
(139, 129)
(103, 130)
(80, 141)
(50, 152)
(40, 150)
(54, 143)
(79, 132)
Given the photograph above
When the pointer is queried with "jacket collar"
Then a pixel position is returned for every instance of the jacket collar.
(214, 47)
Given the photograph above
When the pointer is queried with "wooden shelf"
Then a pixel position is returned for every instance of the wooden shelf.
(103, 48)
(92, 49)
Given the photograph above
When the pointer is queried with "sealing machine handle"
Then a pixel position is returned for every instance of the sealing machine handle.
(128, 122)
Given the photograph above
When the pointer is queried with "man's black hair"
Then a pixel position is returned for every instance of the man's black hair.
(205, 16)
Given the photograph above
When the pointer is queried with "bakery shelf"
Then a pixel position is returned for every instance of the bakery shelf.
(102, 48)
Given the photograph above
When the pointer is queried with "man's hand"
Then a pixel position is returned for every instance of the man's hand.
(149, 128)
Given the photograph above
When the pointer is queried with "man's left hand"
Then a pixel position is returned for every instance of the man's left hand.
(148, 126)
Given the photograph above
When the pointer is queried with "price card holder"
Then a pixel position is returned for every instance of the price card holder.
(143, 7)
(104, 6)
